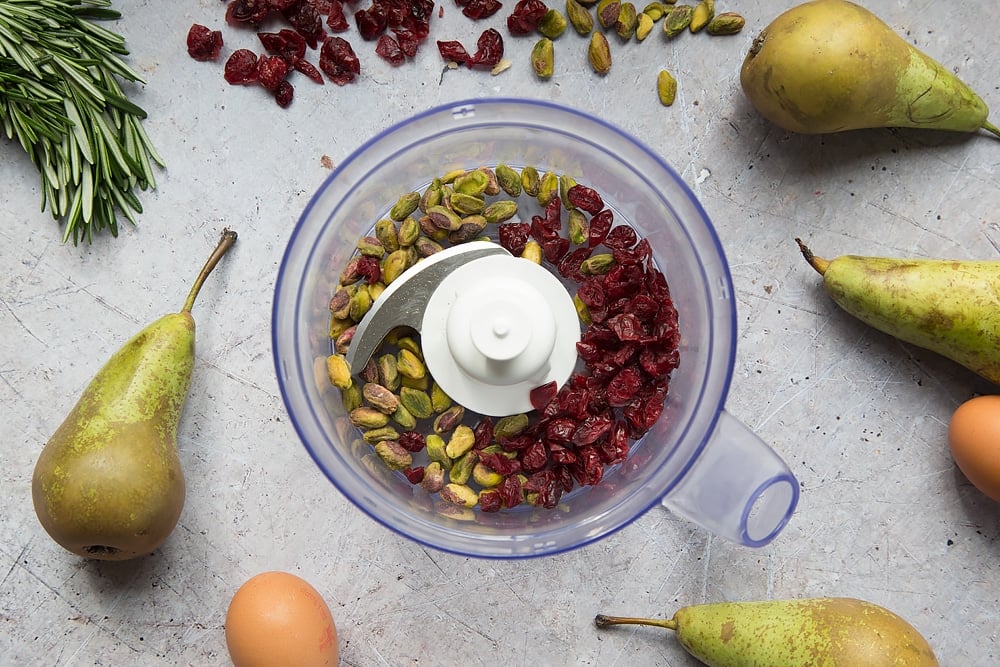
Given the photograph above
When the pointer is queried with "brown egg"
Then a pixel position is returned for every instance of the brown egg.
(974, 437)
(277, 618)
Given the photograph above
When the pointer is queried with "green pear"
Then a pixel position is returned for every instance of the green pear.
(831, 65)
(810, 632)
(951, 307)
(108, 484)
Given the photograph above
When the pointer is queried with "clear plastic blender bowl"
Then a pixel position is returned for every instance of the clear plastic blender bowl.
(697, 460)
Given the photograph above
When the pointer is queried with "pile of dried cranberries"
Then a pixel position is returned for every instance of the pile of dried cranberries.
(397, 27)
(627, 351)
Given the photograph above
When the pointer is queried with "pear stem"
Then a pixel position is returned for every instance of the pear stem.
(990, 127)
(603, 621)
(817, 263)
(225, 243)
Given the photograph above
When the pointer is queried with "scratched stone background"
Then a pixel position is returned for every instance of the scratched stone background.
(860, 417)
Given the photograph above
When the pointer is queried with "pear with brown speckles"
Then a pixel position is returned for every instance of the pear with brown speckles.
(108, 484)
(812, 632)
(951, 307)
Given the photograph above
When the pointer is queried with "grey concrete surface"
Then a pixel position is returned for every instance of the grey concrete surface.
(860, 417)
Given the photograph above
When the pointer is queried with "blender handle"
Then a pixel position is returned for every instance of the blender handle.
(737, 488)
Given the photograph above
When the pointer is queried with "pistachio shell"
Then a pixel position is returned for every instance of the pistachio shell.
(380, 398)
(435, 446)
(459, 494)
(579, 17)
(508, 180)
(462, 440)
(530, 181)
(543, 58)
(532, 252)
(374, 435)
(387, 235)
(599, 53)
(461, 470)
(703, 12)
(393, 454)
(433, 480)
(405, 206)
(417, 402)
(553, 24)
(440, 401)
(366, 417)
(548, 188)
(666, 87)
(339, 371)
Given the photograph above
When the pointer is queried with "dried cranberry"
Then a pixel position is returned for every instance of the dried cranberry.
(241, 67)
(513, 236)
(553, 215)
(591, 292)
(585, 199)
(561, 455)
(623, 387)
(615, 447)
(338, 60)
(415, 475)
(526, 16)
(407, 40)
(302, 15)
(592, 429)
(489, 49)
(589, 469)
(455, 52)
(517, 442)
(284, 93)
(336, 19)
(500, 464)
(560, 431)
(541, 396)
(510, 491)
(574, 403)
(490, 501)
(658, 361)
(600, 224)
(543, 483)
(643, 306)
(569, 265)
(203, 44)
(479, 9)
(555, 249)
(369, 269)
(307, 68)
(412, 441)
(286, 43)
(271, 71)
(483, 433)
(371, 22)
(563, 477)
(388, 49)
(627, 327)
(620, 236)
(642, 413)
(534, 457)
(623, 356)
(247, 11)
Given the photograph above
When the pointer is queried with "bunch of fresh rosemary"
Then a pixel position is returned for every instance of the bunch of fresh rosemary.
(60, 97)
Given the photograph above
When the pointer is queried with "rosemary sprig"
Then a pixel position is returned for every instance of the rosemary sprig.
(61, 99)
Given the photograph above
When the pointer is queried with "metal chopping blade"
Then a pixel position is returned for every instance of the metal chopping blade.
(404, 301)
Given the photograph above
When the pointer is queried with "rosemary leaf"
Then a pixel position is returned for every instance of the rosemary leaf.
(60, 97)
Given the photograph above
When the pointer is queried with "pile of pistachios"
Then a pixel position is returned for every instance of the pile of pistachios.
(623, 19)
(405, 420)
